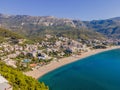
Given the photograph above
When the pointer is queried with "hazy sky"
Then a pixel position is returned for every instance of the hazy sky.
(75, 9)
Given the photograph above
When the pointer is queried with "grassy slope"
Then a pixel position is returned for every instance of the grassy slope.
(19, 81)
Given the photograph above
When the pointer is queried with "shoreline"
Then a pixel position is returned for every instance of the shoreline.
(37, 73)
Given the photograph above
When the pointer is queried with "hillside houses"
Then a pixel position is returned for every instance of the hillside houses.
(51, 47)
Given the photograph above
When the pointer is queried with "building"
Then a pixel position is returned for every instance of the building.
(4, 85)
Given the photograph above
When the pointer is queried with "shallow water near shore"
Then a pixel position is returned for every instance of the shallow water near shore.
(97, 72)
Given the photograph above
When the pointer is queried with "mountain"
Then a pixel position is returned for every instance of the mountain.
(34, 22)
(38, 26)
(108, 27)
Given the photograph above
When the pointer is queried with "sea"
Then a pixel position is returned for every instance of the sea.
(97, 72)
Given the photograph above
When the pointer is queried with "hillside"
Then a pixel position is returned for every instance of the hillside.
(108, 27)
(21, 22)
(73, 33)
(18, 80)
(41, 25)
(38, 26)
(6, 35)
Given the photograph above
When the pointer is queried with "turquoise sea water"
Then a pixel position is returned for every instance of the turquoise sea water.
(97, 72)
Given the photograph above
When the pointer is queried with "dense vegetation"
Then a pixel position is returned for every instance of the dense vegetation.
(38, 35)
(83, 34)
(7, 35)
(13, 37)
(73, 33)
(19, 81)
(108, 27)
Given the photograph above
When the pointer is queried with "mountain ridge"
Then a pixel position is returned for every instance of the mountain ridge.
(31, 25)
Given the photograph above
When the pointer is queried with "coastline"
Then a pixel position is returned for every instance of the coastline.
(37, 73)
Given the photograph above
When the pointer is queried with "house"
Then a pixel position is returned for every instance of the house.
(33, 65)
(10, 62)
(41, 56)
(4, 85)
(34, 53)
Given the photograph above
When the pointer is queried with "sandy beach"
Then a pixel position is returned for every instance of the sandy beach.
(37, 73)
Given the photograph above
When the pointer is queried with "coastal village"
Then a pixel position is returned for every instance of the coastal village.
(30, 57)
(52, 48)
(59, 45)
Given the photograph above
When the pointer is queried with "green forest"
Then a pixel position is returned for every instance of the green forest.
(19, 81)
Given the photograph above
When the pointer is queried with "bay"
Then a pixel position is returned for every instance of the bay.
(97, 72)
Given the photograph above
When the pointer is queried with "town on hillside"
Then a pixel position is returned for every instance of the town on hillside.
(27, 57)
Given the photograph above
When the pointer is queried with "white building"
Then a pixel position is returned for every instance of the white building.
(4, 85)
